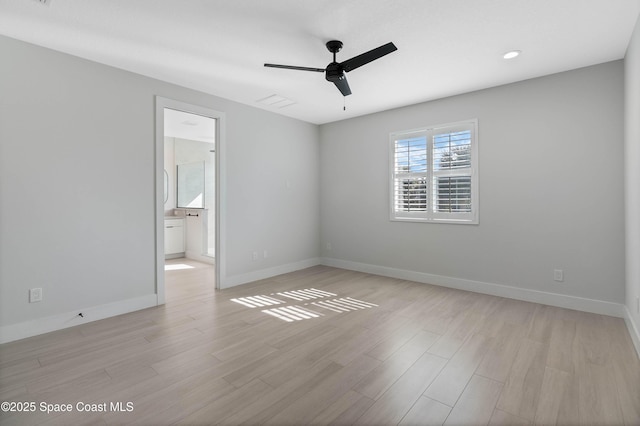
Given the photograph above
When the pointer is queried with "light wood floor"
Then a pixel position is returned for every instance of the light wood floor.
(425, 355)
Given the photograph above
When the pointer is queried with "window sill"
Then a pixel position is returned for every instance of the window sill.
(446, 221)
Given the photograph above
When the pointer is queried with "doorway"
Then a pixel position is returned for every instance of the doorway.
(189, 149)
(189, 163)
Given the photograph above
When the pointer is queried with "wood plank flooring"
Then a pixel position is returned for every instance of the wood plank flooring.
(356, 349)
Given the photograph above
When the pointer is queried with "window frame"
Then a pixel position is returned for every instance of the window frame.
(429, 215)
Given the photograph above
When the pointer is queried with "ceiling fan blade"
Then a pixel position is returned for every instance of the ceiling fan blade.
(293, 67)
(342, 85)
(365, 58)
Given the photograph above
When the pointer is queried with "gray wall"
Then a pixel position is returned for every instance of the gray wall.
(632, 178)
(77, 183)
(550, 176)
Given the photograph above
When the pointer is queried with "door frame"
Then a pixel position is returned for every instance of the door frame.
(220, 184)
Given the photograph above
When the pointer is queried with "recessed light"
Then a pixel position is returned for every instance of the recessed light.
(512, 54)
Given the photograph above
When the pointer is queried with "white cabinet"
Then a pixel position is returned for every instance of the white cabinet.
(173, 236)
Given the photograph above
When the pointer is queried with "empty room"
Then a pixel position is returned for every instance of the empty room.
(286, 212)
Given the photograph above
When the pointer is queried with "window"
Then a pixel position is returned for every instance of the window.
(434, 174)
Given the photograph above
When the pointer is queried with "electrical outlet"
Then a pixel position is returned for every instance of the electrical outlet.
(558, 275)
(254, 256)
(265, 254)
(35, 295)
(328, 246)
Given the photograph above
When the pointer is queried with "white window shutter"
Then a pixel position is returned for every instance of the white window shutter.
(434, 174)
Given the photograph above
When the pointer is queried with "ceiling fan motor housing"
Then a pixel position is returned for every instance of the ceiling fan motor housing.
(334, 72)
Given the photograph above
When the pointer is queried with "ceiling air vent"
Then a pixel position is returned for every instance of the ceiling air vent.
(276, 101)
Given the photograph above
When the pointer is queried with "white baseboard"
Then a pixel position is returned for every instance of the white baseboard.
(262, 274)
(35, 327)
(634, 332)
(535, 296)
(22, 330)
(199, 257)
(173, 256)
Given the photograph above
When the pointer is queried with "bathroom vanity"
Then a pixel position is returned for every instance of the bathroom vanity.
(174, 237)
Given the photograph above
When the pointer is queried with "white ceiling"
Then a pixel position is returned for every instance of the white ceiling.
(180, 124)
(445, 47)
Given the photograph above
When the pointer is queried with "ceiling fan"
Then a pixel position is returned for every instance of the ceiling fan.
(334, 72)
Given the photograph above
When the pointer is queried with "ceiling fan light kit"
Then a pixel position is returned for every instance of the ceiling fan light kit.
(334, 72)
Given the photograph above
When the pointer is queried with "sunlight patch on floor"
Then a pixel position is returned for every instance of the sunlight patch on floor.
(345, 304)
(177, 266)
(292, 313)
(306, 294)
(257, 301)
(316, 298)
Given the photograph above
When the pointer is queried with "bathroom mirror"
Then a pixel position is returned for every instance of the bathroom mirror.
(191, 185)
(166, 186)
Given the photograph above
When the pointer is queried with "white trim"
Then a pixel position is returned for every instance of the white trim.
(633, 330)
(159, 199)
(527, 295)
(262, 274)
(22, 330)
